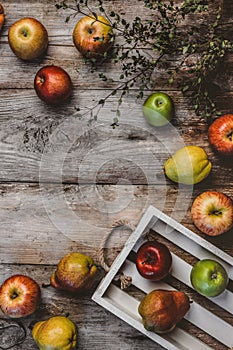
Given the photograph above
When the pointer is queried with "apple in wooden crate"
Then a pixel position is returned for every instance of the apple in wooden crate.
(209, 277)
(212, 213)
(28, 38)
(93, 36)
(153, 260)
(19, 296)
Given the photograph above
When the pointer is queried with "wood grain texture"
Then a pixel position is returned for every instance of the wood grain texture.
(64, 184)
(38, 141)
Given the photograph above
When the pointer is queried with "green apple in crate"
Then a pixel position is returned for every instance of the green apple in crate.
(209, 277)
(161, 310)
(28, 38)
(158, 109)
(57, 332)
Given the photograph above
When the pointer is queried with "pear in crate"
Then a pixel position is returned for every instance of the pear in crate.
(161, 310)
(75, 272)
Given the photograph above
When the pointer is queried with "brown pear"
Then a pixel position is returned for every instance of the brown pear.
(75, 272)
(161, 310)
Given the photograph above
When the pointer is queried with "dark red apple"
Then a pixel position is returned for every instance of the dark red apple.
(153, 260)
(220, 134)
(53, 84)
(93, 37)
(19, 296)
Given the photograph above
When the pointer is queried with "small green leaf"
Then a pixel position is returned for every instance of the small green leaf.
(185, 88)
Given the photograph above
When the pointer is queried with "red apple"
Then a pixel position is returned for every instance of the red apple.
(28, 38)
(153, 260)
(220, 134)
(2, 17)
(53, 84)
(93, 37)
(212, 213)
(19, 296)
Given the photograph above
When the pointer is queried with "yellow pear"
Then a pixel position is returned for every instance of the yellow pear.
(189, 165)
(56, 333)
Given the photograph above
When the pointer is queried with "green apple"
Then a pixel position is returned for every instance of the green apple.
(209, 277)
(158, 109)
(28, 38)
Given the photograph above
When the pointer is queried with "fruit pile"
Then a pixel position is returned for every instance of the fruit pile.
(20, 296)
(212, 211)
(160, 309)
(29, 40)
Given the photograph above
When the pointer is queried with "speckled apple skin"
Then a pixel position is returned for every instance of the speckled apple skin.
(212, 213)
(220, 135)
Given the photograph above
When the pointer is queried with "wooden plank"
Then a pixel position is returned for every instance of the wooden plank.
(39, 225)
(15, 73)
(132, 153)
(96, 328)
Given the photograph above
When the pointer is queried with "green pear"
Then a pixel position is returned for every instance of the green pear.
(161, 310)
(75, 272)
(56, 333)
(189, 165)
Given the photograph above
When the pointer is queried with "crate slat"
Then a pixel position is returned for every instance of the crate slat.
(117, 300)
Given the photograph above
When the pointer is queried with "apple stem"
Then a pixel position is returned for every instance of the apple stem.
(14, 295)
(148, 260)
(217, 212)
(24, 32)
(214, 276)
(230, 136)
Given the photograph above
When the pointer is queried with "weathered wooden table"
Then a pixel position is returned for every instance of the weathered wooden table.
(63, 184)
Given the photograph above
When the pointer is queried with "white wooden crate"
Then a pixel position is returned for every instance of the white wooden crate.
(125, 306)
